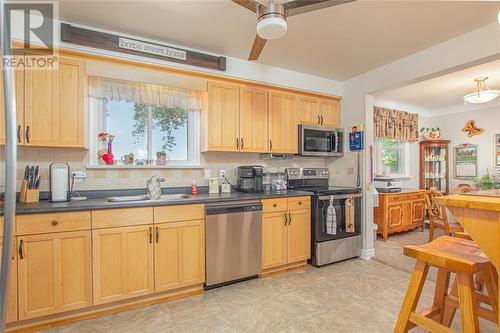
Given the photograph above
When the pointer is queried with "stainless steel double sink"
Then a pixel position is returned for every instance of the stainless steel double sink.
(139, 198)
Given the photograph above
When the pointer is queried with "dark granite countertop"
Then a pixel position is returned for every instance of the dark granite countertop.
(99, 200)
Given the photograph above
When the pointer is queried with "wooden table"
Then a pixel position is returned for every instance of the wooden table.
(479, 214)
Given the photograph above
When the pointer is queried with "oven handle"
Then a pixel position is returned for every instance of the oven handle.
(342, 196)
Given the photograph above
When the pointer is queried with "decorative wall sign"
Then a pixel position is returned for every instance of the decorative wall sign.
(466, 161)
(471, 128)
(110, 42)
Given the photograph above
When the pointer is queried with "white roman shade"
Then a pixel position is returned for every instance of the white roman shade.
(130, 91)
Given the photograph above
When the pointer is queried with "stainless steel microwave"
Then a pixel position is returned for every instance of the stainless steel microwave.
(321, 141)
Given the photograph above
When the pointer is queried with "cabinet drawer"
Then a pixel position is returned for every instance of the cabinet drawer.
(274, 205)
(179, 213)
(31, 224)
(299, 203)
(122, 217)
(406, 197)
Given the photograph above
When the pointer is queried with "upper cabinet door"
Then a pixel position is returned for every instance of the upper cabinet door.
(309, 111)
(253, 120)
(19, 86)
(282, 123)
(329, 111)
(54, 106)
(223, 116)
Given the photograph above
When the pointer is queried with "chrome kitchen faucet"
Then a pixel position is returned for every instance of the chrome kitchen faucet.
(153, 187)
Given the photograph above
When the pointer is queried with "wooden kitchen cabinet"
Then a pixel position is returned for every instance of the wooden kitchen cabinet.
(274, 239)
(54, 106)
(122, 263)
(179, 253)
(286, 234)
(400, 212)
(329, 111)
(223, 116)
(283, 130)
(12, 286)
(253, 132)
(54, 273)
(319, 111)
(19, 87)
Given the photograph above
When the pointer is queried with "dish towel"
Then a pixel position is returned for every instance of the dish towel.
(331, 219)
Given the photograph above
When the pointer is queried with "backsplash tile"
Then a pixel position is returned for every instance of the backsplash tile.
(342, 170)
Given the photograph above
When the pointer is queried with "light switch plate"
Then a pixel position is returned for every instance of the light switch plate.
(222, 173)
(207, 173)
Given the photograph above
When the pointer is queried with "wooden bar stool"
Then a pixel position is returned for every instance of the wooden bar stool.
(438, 217)
(448, 254)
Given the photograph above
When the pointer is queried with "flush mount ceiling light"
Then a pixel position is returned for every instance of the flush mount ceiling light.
(481, 93)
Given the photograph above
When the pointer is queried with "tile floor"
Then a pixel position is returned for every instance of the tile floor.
(353, 296)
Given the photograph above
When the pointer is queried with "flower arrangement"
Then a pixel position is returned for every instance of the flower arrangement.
(105, 154)
(431, 133)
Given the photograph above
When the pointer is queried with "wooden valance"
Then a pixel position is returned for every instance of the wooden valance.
(395, 124)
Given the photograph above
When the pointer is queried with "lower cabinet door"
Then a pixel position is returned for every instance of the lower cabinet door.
(395, 216)
(123, 263)
(299, 235)
(54, 273)
(274, 239)
(417, 212)
(179, 254)
(12, 287)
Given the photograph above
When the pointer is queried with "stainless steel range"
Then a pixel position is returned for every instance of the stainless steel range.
(335, 215)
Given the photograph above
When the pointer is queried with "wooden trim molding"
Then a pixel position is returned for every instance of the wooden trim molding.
(110, 42)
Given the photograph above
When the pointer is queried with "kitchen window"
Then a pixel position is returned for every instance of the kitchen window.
(392, 158)
(143, 125)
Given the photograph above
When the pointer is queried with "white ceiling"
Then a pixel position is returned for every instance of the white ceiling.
(444, 94)
(338, 42)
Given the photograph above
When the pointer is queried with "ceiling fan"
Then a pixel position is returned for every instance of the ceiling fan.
(272, 15)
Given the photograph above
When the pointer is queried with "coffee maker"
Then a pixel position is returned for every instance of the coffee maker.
(250, 178)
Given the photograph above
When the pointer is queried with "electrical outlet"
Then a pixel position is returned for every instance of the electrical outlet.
(79, 176)
(207, 173)
(222, 173)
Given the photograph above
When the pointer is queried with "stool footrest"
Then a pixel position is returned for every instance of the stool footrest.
(482, 312)
(431, 325)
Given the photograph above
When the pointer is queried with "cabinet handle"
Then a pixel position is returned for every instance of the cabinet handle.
(237, 144)
(270, 144)
(242, 143)
(19, 134)
(321, 120)
(54, 223)
(21, 249)
(289, 219)
(275, 205)
(150, 235)
(300, 203)
(157, 234)
(286, 219)
(27, 134)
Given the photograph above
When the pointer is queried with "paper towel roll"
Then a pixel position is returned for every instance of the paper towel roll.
(59, 183)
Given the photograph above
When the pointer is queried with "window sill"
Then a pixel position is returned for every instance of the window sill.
(142, 167)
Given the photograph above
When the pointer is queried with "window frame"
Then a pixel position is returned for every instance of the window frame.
(379, 164)
(97, 120)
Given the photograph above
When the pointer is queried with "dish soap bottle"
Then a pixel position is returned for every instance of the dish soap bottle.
(194, 188)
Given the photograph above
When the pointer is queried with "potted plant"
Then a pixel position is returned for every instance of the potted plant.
(161, 158)
(431, 133)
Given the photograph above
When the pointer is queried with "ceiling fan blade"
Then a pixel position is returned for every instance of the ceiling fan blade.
(303, 6)
(249, 4)
(258, 45)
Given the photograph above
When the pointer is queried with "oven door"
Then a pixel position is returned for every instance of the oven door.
(319, 141)
(322, 231)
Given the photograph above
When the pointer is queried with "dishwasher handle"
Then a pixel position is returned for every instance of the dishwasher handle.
(233, 208)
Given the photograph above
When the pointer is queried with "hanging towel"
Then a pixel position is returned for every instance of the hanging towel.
(349, 214)
(331, 219)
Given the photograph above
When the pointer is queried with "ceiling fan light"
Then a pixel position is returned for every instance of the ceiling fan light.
(272, 27)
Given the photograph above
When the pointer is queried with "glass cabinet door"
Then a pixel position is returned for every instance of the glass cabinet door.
(434, 165)
(496, 160)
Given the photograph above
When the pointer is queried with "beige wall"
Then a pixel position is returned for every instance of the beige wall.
(342, 169)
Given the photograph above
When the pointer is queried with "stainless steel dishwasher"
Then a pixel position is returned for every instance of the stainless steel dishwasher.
(233, 242)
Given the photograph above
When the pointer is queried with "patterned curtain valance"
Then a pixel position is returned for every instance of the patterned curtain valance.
(395, 124)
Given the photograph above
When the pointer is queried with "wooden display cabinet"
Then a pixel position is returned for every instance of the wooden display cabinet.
(434, 165)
